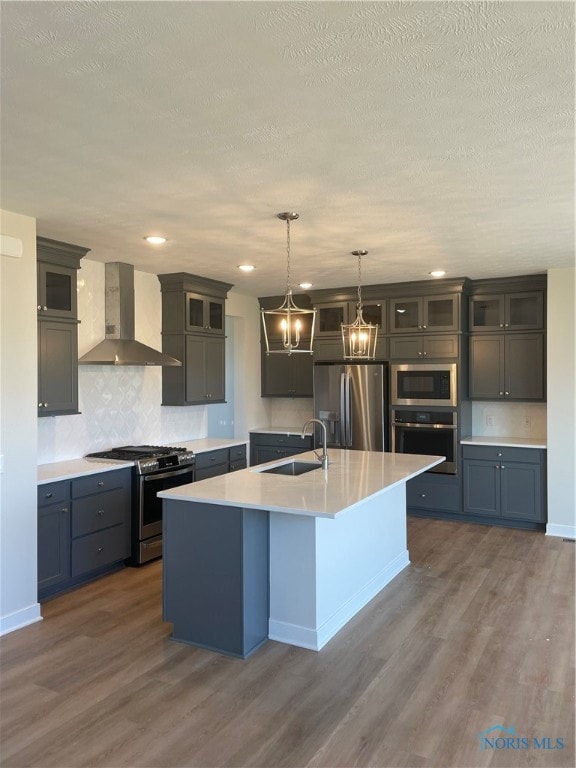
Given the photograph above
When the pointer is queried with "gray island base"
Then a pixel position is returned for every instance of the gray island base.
(252, 556)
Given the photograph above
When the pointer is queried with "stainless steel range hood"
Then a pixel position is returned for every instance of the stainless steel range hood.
(120, 347)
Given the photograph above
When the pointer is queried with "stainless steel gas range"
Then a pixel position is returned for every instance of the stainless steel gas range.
(156, 468)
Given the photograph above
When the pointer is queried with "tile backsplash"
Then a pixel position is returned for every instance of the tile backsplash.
(119, 405)
(285, 412)
(495, 419)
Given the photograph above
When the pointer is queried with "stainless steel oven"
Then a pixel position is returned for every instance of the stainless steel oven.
(432, 433)
(156, 468)
(423, 384)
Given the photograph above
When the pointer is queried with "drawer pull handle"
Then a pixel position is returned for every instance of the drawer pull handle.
(422, 495)
(48, 495)
(100, 483)
(64, 510)
(499, 455)
(100, 549)
(100, 512)
(502, 466)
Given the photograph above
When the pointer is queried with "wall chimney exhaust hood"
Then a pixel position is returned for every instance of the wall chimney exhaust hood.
(120, 347)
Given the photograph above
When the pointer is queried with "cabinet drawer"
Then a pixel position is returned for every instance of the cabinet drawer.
(502, 453)
(237, 452)
(99, 511)
(212, 471)
(211, 458)
(428, 495)
(99, 549)
(235, 465)
(282, 441)
(104, 481)
(53, 493)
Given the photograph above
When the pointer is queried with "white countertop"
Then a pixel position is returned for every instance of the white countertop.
(506, 442)
(278, 431)
(68, 470)
(352, 477)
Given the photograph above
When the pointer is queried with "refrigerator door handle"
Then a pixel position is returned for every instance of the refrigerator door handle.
(348, 411)
(343, 422)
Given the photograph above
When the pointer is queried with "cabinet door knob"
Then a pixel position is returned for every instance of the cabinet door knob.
(48, 495)
(502, 466)
(422, 495)
(501, 394)
(419, 354)
(424, 327)
(506, 393)
(424, 354)
(63, 510)
(506, 325)
(39, 308)
(100, 512)
(499, 455)
(501, 325)
(45, 405)
(100, 483)
(496, 466)
(100, 549)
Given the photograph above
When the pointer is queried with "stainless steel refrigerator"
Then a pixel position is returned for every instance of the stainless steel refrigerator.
(352, 401)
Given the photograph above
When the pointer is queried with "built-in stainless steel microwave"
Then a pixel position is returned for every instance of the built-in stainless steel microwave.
(423, 384)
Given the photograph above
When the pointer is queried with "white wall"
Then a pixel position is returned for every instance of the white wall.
(18, 419)
(561, 340)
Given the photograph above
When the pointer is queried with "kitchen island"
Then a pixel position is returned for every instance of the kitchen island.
(255, 555)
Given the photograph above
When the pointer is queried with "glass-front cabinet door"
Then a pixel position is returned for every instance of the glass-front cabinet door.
(204, 313)
(524, 311)
(329, 317)
(440, 313)
(487, 312)
(405, 315)
(56, 291)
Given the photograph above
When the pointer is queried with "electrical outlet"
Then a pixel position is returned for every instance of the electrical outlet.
(489, 420)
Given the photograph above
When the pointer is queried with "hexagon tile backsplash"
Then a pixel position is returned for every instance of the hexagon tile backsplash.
(119, 405)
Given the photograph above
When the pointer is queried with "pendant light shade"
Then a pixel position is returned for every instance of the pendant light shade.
(293, 325)
(359, 337)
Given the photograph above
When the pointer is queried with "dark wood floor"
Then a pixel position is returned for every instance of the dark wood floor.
(478, 631)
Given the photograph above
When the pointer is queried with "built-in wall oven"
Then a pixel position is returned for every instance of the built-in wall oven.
(423, 384)
(156, 468)
(432, 433)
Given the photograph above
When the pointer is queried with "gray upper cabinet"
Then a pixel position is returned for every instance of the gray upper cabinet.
(57, 368)
(446, 347)
(522, 311)
(193, 323)
(430, 314)
(286, 375)
(507, 366)
(331, 315)
(57, 268)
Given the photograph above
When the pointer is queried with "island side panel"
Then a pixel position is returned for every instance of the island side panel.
(357, 558)
(323, 571)
(205, 571)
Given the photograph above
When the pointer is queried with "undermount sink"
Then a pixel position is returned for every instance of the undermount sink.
(292, 468)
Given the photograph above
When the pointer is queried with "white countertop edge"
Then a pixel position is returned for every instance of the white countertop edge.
(205, 444)
(505, 442)
(181, 494)
(296, 431)
(73, 468)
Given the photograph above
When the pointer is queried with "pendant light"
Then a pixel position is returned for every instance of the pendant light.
(294, 326)
(359, 337)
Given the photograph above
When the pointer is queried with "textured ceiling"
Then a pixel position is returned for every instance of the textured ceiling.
(433, 134)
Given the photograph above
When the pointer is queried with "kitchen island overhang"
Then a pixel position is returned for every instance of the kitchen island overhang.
(250, 555)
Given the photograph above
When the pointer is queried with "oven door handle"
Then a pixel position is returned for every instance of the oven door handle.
(423, 426)
(183, 471)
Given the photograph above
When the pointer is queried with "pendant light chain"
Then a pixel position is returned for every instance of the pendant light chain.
(288, 286)
(359, 281)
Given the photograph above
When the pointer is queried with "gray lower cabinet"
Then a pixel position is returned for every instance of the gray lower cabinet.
(507, 366)
(53, 536)
(220, 462)
(57, 367)
(505, 483)
(215, 576)
(266, 446)
(83, 529)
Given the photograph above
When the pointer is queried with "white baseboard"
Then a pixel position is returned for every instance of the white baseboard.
(20, 619)
(315, 638)
(564, 531)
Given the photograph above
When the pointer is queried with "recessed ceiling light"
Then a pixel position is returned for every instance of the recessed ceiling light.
(305, 286)
(246, 267)
(438, 273)
(155, 239)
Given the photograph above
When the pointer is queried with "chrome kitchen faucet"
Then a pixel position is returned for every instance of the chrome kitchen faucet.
(324, 457)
